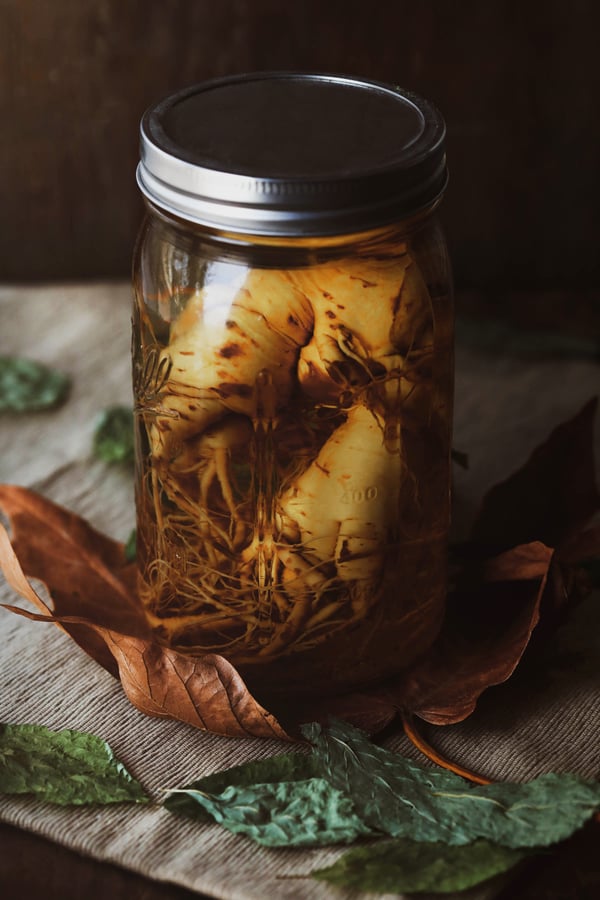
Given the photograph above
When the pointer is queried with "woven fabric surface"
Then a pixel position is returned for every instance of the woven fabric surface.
(505, 405)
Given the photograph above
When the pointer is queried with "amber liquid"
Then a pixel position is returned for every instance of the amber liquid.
(293, 429)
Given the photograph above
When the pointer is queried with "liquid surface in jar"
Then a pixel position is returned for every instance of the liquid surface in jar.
(293, 429)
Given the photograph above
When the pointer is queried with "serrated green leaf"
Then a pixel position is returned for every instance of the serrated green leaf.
(28, 386)
(113, 436)
(64, 767)
(403, 865)
(402, 798)
(276, 802)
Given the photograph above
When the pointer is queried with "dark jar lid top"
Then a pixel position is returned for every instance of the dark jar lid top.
(283, 153)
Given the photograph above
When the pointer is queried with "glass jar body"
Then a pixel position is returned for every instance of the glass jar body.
(293, 406)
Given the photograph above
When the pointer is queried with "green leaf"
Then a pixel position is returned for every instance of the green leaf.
(350, 788)
(28, 386)
(64, 767)
(402, 798)
(276, 802)
(113, 436)
(291, 814)
(130, 546)
(404, 865)
(285, 767)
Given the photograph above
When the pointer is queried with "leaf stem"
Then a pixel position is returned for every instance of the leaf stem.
(427, 750)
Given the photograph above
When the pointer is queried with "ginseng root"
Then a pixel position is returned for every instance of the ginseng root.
(276, 453)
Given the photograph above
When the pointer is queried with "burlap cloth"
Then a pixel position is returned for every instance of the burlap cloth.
(505, 405)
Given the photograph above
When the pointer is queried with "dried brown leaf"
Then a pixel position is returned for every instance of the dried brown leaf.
(583, 546)
(551, 497)
(206, 692)
(85, 572)
(369, 710)
(486, 631)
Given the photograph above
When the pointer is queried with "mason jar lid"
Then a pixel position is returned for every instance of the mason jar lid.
(284, 153)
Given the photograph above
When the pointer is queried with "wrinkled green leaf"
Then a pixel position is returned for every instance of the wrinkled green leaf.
(402, 798)
(64, 767)
(113, 436)
(277, 802)
(404, 865)
(28, 386)
(290, 814)
(285, 767)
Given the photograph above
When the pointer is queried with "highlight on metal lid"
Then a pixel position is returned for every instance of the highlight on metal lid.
(284, 153)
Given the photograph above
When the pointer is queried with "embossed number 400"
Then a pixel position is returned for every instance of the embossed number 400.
(359, 495)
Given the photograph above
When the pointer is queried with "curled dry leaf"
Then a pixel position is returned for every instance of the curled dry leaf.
(94, 604)
(486, 631)
(85, 572)
(206, 691)
(551, 497)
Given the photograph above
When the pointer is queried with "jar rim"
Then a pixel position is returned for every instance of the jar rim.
(287, 153)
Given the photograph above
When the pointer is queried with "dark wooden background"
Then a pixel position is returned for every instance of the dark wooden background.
(517, 80)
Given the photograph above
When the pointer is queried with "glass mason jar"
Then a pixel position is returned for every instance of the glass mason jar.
(293, 376)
